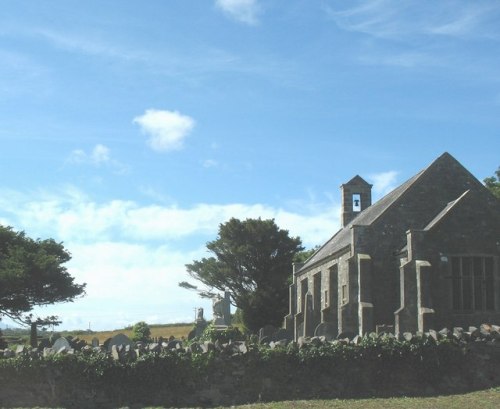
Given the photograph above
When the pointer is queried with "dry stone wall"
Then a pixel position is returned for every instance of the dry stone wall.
(174, 374)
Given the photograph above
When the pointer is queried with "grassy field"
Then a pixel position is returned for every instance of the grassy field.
(481, 399)
(178, 331)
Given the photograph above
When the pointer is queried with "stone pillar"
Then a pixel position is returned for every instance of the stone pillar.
(348, 312)
(424, 302)
(365, 300)
(292, 303)
(406, 315)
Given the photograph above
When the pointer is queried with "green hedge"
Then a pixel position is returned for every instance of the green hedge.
(91, 379)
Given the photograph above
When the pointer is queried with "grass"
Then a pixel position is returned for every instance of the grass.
(480, 399)
(178, 331)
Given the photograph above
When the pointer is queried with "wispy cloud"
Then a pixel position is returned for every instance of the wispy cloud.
(383, 182)
(400, 21)
(167, 130)
(245, 11)
(210, 163)
(99, 156)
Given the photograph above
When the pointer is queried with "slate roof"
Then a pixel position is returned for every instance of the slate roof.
(342, 239)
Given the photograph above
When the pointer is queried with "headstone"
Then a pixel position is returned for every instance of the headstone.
(283, 335)
(21, 349)
(408, 336)
(61, 343)
(433, 335)
(445, 333)
(327, 330)
(44, 343)
(267, 331)
(47, 352)
(119, 340)
(115, 353)
(95, 342)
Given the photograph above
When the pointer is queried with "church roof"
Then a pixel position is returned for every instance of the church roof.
(342, 239)
(357, 180)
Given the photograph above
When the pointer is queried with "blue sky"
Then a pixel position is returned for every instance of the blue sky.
(129, 130)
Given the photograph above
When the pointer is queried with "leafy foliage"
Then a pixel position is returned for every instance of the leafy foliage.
(302, 256)
(252, 259)
(141, 332)
(210, 333)
(32, 273)
(493, 183)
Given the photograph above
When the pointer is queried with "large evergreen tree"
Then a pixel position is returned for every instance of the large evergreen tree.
(32, 273)
(252, 259)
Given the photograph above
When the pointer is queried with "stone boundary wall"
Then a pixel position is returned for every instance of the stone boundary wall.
(210, 374)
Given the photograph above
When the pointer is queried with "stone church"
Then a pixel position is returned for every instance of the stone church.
(427, 255)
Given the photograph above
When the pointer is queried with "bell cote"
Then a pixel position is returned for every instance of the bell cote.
(356, 197)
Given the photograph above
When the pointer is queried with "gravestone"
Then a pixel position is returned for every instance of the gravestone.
(282, 334)
(44, 343)
(119, 339)
(95, 342)
(327, 330)
(61, 343)
(267, 332)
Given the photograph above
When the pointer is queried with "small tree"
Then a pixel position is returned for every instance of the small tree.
(141, 332)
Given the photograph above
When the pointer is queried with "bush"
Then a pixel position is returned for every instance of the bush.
(214, 334)
(141, 332)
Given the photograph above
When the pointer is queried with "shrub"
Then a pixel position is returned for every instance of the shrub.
(141, 332)
(214, 334)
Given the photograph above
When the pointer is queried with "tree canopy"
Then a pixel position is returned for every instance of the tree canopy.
(252, 259)
(493, 183)
(32, 273)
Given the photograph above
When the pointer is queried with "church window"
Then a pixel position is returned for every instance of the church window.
(472, 283)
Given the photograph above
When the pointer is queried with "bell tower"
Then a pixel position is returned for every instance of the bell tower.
(356, 197)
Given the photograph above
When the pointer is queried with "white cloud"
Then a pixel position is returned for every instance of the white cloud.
(99, 156)
(383, 182)
(132, 256)
(166, 129)
(245, 11)
(72, 216)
